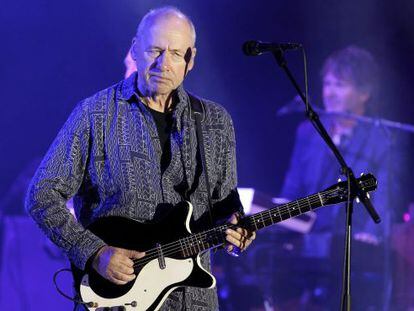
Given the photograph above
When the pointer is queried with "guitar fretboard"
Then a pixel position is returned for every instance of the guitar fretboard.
(199, 242)
(195, 243)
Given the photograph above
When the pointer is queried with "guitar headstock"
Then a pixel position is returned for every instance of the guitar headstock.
(339, 192)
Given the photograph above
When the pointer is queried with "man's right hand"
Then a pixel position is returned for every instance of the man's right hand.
(115, 264)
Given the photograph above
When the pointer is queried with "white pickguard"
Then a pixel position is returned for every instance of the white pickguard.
(150, 282)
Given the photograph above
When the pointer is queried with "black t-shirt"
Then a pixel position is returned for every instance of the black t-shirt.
(164, 122)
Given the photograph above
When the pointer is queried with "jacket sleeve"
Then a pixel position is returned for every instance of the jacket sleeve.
(57, 179)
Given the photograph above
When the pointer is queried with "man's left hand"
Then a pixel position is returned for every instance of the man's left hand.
(238, 239)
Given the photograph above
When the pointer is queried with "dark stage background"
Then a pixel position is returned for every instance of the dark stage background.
(55, 53)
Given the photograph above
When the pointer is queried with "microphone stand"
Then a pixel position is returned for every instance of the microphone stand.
(353, 188)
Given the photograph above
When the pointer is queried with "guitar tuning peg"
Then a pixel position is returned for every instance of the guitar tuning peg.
(368, 196)
(362, 174)
(339, 179)
(357, 200)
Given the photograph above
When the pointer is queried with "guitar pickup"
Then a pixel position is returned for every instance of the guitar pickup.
(161, 258)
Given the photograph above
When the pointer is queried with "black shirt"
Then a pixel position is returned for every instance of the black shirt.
(164, 121)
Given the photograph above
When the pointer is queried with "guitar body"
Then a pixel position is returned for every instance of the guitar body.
(158, 277)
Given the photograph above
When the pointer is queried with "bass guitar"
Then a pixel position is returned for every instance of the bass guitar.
(172, 257)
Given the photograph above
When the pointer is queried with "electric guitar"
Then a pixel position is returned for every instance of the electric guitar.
(173, 253)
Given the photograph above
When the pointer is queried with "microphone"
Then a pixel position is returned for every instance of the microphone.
(254, 48)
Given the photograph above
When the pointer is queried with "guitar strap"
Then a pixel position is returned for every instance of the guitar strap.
(198, 115)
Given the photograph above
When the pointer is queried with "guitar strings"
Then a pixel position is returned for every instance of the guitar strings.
(218, 232)
(171, 248)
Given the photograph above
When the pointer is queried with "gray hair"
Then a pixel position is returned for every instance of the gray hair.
(165, 11)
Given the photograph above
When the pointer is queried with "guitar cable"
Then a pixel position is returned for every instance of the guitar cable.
(88, 304)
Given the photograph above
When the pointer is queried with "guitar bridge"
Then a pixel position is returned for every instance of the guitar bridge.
(161, 259)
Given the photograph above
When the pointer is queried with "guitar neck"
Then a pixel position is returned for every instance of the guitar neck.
(193, 244)
(199, 242)
(282, 212)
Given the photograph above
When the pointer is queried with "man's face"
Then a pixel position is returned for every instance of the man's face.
(160, 55)
(341, 95)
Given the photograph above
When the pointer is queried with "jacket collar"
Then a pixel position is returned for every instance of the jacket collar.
(129, 92)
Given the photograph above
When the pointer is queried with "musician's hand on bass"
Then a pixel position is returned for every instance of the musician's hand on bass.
(115, 264)
(239, 239)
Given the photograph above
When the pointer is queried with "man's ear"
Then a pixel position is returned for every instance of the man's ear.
(189, 58)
